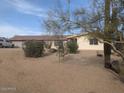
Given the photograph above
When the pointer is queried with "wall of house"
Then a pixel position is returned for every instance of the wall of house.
(82, 41)
(18, 43)
(53, 45)
(84, 44)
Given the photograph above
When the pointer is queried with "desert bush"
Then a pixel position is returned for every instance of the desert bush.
(72, 46)
(33, 48)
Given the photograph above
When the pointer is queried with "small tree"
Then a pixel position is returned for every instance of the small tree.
(57, 26)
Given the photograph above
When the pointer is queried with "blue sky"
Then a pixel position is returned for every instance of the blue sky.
(24, 17)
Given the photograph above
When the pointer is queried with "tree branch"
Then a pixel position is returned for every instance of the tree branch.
(114, 48)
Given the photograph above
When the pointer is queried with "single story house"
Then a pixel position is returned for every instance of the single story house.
(19, 40)
(83, 42)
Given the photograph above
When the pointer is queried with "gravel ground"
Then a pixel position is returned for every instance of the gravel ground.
(79, 73)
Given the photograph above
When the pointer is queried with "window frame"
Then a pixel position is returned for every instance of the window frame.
(93, 41)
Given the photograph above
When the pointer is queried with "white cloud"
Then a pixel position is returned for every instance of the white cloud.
(10, 30)
(27, 8)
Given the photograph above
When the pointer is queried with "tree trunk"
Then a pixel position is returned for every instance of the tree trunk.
(107, 55)
(107, 47)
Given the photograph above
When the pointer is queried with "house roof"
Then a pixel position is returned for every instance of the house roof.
(45, 37)
(75, 36)
(38, 38)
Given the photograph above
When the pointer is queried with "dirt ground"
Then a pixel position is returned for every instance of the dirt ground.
(80, 73)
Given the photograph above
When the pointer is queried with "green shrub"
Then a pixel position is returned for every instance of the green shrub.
(33, 48)
(72, 46)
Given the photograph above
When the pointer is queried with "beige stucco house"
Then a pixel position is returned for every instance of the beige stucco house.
(86, 43)
(83, 42)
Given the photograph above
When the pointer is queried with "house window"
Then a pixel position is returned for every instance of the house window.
(93, 41)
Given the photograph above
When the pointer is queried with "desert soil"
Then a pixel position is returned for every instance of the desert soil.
(79, 73)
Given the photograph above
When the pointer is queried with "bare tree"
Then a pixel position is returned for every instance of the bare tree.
(57, 24)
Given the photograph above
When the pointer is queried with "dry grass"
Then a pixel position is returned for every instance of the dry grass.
(80, 73)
